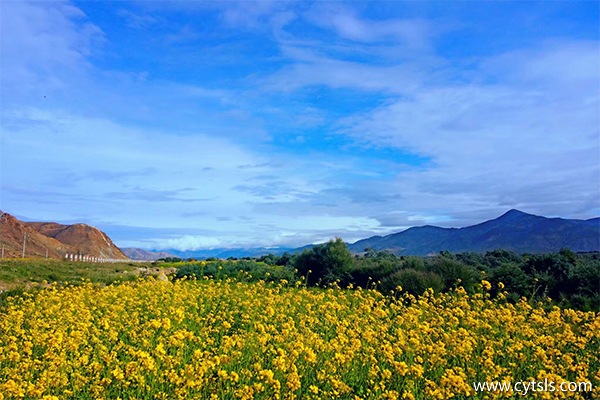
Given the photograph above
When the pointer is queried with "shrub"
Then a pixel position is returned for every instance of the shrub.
(455, 273)
(325, 263)
(412, 281)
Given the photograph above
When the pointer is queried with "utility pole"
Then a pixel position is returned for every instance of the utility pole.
(46, 254)
(24, 241)
(2, 249)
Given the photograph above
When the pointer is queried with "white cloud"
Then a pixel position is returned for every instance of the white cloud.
(251, 14)
(499, 145)
(49, 44)
(188, 242)
(340, 74)
(137, 20)
(566, 65)
(387, 56)
(98, 171)
(64, 152)
(414, 34)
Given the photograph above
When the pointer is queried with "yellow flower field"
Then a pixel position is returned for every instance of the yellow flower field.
(226, 339)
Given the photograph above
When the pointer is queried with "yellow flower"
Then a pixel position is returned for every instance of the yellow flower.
(118, 374)
(174, 340)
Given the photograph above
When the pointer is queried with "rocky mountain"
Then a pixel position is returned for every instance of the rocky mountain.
(514, 230)
(54, 239)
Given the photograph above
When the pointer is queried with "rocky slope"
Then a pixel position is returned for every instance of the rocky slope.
(54, 239)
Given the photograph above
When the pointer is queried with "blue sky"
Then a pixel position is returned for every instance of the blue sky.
(193, 125)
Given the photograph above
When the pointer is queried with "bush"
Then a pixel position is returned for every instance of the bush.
(513, 278)
(325, 263)
(584, 278)
(455, 273)
(412, 281)
(373, 267)
(413, 262)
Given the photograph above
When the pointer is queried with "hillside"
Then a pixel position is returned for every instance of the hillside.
(515, 230)
(54, 239)
(13, 232)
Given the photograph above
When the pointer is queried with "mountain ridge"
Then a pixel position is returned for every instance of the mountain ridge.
(514, 230)
(146, 255)
(54, 240)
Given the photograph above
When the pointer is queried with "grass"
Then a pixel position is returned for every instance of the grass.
(17, 272)
(19, 275)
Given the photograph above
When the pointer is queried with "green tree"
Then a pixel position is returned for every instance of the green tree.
(454, 272)
(285, 259)
(325, 263)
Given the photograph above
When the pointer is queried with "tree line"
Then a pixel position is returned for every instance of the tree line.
(569, 279)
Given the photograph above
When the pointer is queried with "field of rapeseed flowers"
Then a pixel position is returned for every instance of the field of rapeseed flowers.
(227, 339)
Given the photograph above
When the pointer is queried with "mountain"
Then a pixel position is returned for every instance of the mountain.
(13, 232)
(146, 255)
(230, 252)
(514, 230)
(54, 240)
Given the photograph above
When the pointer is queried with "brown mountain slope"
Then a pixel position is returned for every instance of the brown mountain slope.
(13, 232)
(57, 239)
(83, 238)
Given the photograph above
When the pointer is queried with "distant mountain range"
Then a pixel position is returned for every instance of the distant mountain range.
(515, 230)
(54, 240)
(140, 254)
(221, 252)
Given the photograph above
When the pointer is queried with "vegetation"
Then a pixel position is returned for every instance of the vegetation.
(22, 271)
(243, 270)
(325, 263)
(281, 326)
(225, 339)
(18, 275)
(569, 279)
